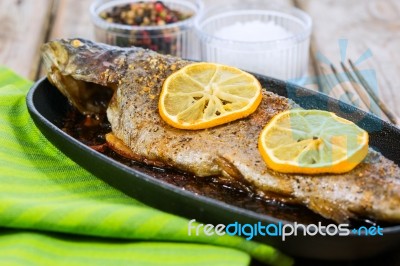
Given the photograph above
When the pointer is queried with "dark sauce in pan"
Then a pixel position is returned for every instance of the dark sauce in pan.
(91, 131)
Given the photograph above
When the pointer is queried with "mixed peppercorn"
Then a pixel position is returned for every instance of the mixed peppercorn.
(147, 14)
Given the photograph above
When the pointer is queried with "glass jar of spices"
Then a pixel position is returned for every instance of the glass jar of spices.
(163, 26)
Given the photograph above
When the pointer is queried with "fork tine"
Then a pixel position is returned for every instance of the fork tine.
(368, 101)
(371, 92)
(339, 93)
(348, 89)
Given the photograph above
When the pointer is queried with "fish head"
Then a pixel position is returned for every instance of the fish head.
(56, 54)
(83, 71)
(76, 57)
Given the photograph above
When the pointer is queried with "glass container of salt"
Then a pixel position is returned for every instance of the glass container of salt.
(256, 36)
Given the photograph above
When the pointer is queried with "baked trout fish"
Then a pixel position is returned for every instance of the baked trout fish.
(86, 72)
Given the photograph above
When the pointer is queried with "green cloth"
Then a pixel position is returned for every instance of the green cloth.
(52, 211)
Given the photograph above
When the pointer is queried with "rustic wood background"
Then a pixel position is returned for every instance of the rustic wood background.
(372, 25)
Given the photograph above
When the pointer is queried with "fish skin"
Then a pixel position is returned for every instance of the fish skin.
(370, 190)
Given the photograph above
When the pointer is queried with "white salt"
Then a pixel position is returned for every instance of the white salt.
(253, 31)
(245, 46)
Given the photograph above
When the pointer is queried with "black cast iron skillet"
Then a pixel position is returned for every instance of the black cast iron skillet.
(48, 106)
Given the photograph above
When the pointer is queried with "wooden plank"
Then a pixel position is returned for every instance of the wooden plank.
(72, 19)
(367, 28)
(23, 28)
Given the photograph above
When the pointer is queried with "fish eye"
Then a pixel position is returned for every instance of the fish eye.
(76, 43)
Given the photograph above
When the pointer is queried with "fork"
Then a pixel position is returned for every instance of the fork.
(356, 92)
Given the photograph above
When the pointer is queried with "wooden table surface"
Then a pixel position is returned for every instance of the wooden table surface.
(365, 27)
(371, 27)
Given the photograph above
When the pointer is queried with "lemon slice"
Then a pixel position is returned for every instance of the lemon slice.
(203, 95)
(312, 142)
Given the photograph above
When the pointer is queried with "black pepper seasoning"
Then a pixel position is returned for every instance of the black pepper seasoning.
(147, 14)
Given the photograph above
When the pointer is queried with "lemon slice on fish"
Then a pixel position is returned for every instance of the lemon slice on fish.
(312, 142)
(204, 95)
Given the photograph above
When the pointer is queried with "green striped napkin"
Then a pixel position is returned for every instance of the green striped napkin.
(54, 212)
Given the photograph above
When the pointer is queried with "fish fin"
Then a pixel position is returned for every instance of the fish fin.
(230, 171)
(118, 146)
(329, 210)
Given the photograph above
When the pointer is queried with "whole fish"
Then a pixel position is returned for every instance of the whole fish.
(85, 72)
